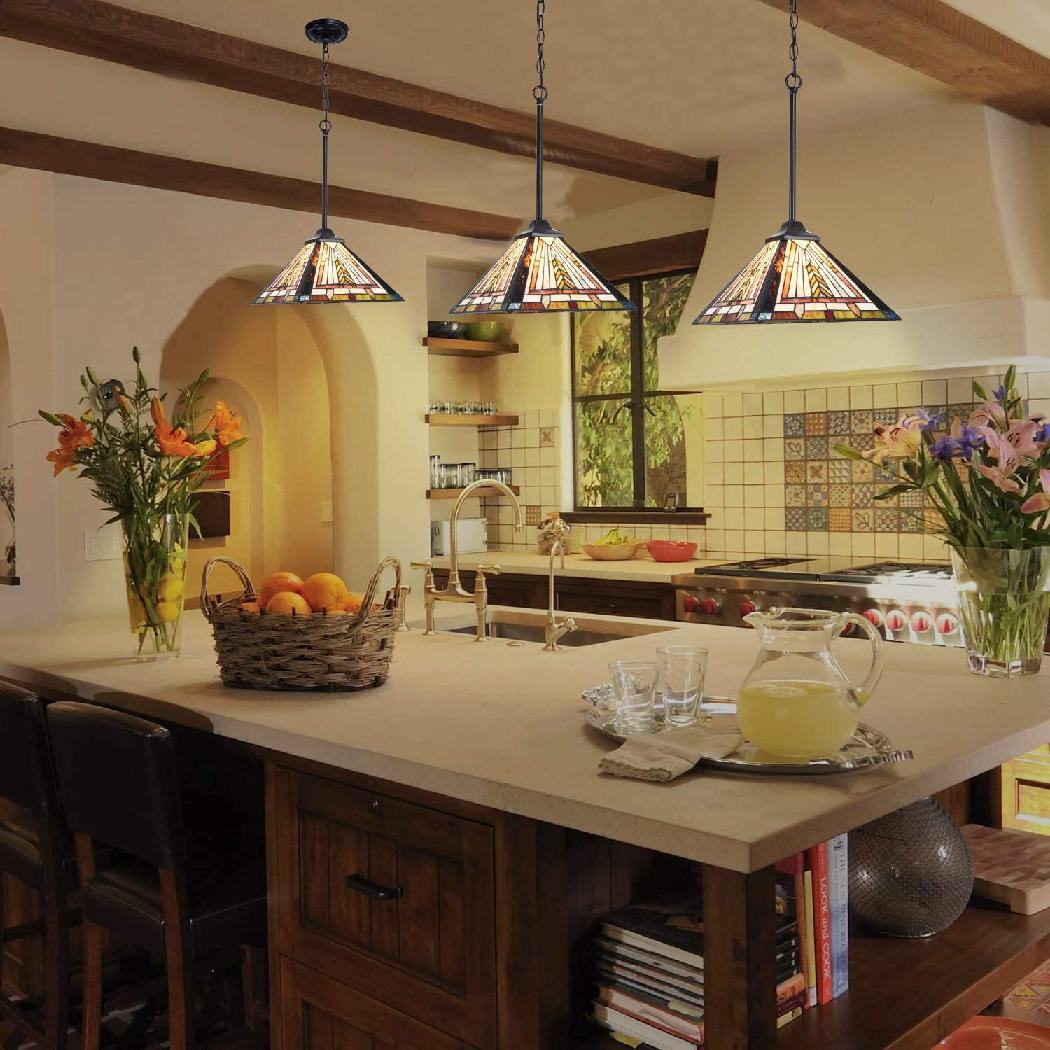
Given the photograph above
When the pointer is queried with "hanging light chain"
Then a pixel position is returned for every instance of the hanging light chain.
(539, 92)
(793, 80)
(325, 124)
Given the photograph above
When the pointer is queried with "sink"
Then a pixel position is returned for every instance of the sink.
(522, 628)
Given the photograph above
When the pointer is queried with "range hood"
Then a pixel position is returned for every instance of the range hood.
(945, 209)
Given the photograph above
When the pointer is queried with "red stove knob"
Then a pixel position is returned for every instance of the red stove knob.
(747, 606)
(710, 607)
(895, 620)
(874, 617)
(690, 603)
(921, 623)
(848, 629)
(947, 624)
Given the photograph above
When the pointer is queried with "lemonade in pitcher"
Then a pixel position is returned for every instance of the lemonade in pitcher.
(797, 702)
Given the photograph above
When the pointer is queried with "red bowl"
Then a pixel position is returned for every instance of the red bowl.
(671, 550)
(995, 1033)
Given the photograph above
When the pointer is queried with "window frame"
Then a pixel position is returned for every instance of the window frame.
(634, 399)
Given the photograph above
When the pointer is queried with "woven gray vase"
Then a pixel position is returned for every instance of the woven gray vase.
(910, 872)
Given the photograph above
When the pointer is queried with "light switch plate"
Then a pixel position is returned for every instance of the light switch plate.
(104, 544)
(326, 512)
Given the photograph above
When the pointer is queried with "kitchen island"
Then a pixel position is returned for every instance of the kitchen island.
(474, 760)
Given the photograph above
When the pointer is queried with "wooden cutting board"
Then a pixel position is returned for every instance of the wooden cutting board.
(1012, 867)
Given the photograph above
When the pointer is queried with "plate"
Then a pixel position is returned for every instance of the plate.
(868, 748)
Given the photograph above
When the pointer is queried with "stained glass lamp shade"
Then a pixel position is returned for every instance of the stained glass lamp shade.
(794, 278)
(326, 271)
(539, 272)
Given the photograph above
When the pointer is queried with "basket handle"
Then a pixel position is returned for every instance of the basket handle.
(208, 603)
(373, 584)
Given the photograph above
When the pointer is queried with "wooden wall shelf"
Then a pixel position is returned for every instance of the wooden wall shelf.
(454, 493)
(441, 419)
(467, 347)
(906, 995)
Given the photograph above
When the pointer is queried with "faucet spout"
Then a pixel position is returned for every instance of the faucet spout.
(453, 543)
(556, 628)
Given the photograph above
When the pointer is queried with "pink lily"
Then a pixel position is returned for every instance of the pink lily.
(901, 441)
(1000, 478)
(1039, 501)
(1022, 437)
(987, 413)
(1007, 459)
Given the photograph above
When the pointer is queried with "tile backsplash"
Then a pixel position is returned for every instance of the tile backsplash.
(532, 451)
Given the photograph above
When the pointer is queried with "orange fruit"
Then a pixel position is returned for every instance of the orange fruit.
(277, 582)
(324, 590)
(251, 607)
(288, 603)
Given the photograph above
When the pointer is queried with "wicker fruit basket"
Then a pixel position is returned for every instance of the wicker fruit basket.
(269, 651)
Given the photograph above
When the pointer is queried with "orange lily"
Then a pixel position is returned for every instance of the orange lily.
(75, 433)
(172, 440)
(62, 460)
(227, 425)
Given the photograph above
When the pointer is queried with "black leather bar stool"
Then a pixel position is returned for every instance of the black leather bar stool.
(185, 892)
(35, 848)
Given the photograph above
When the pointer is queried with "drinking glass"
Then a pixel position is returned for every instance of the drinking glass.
(634, 684)
(682, 669)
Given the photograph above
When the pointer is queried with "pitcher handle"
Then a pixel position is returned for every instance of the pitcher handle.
(860, 694)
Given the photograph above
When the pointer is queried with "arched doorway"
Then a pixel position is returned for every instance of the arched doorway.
(267, 365)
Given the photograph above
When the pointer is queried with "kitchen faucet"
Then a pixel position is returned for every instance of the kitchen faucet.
(556, 628)
(453, 590)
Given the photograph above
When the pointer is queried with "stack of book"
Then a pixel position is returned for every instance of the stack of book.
(650, 972)
(816, 883)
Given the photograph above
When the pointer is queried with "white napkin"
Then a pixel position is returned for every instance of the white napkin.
(664, 756)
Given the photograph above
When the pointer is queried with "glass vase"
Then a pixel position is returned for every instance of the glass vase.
(155, 575)
(1003, 605)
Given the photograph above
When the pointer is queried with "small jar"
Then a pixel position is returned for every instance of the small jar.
(469, 473)
(435, 472)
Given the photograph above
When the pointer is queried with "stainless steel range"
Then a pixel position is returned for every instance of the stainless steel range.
(908, 602)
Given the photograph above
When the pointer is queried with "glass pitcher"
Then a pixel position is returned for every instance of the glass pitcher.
(797, 702)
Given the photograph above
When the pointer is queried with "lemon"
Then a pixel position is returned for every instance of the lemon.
(167, 612)
(170, 587)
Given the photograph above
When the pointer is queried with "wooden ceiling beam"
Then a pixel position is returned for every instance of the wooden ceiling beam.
(162, 45)
(934, 38)
(29, 149)
(680, 251)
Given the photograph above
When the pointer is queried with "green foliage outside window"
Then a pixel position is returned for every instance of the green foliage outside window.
(608, 350)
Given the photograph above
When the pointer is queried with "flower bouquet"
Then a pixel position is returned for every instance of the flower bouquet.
(988, 481)
(145, 470)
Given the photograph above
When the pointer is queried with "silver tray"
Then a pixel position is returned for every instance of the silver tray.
(866, 749)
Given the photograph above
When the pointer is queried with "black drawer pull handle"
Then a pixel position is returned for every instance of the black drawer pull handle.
(372, 889)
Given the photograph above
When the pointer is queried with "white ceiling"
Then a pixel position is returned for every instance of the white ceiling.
(699, 76)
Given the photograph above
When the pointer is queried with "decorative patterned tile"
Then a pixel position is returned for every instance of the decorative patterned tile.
(863, 470)
(816, 519)
(840, 519)
(861, 421)
(932, 520)
(864, 442)
(795, 496)
(840, 495)
(816, 471)
(886, 416)
(795, 519)
(958, 414)
(887, 519)
(863, 520)
(884, 475)
(795, 473)
(816, 423)
(910, 499)
(889, 501)
(911, 520)
(840, 471)
(794, 424)
(794, 448)
(862, 494)
(816, 495)
(816, 448)
(838, 423)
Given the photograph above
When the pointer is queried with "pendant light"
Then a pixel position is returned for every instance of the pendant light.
(325, 270)
(794, 278)
(539, 272)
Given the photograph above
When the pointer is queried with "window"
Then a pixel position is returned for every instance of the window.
(629, 434)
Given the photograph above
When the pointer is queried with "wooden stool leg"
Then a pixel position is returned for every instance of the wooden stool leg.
(91, 1024)
(180, 964)
(56, 968)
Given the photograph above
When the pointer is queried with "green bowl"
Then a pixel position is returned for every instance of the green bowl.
(487, 331)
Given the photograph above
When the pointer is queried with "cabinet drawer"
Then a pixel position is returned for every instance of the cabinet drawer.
(656, 603)
(318, 1013)
(390, 897)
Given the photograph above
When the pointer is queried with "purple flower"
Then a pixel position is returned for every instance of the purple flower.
(999, 393)
(1043, 433)
(966, 441)
(944, 448)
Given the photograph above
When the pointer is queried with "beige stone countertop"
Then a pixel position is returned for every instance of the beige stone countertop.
(501, 725)
(643, 570)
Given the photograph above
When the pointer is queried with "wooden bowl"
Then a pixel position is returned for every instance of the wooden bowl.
(610, 551)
